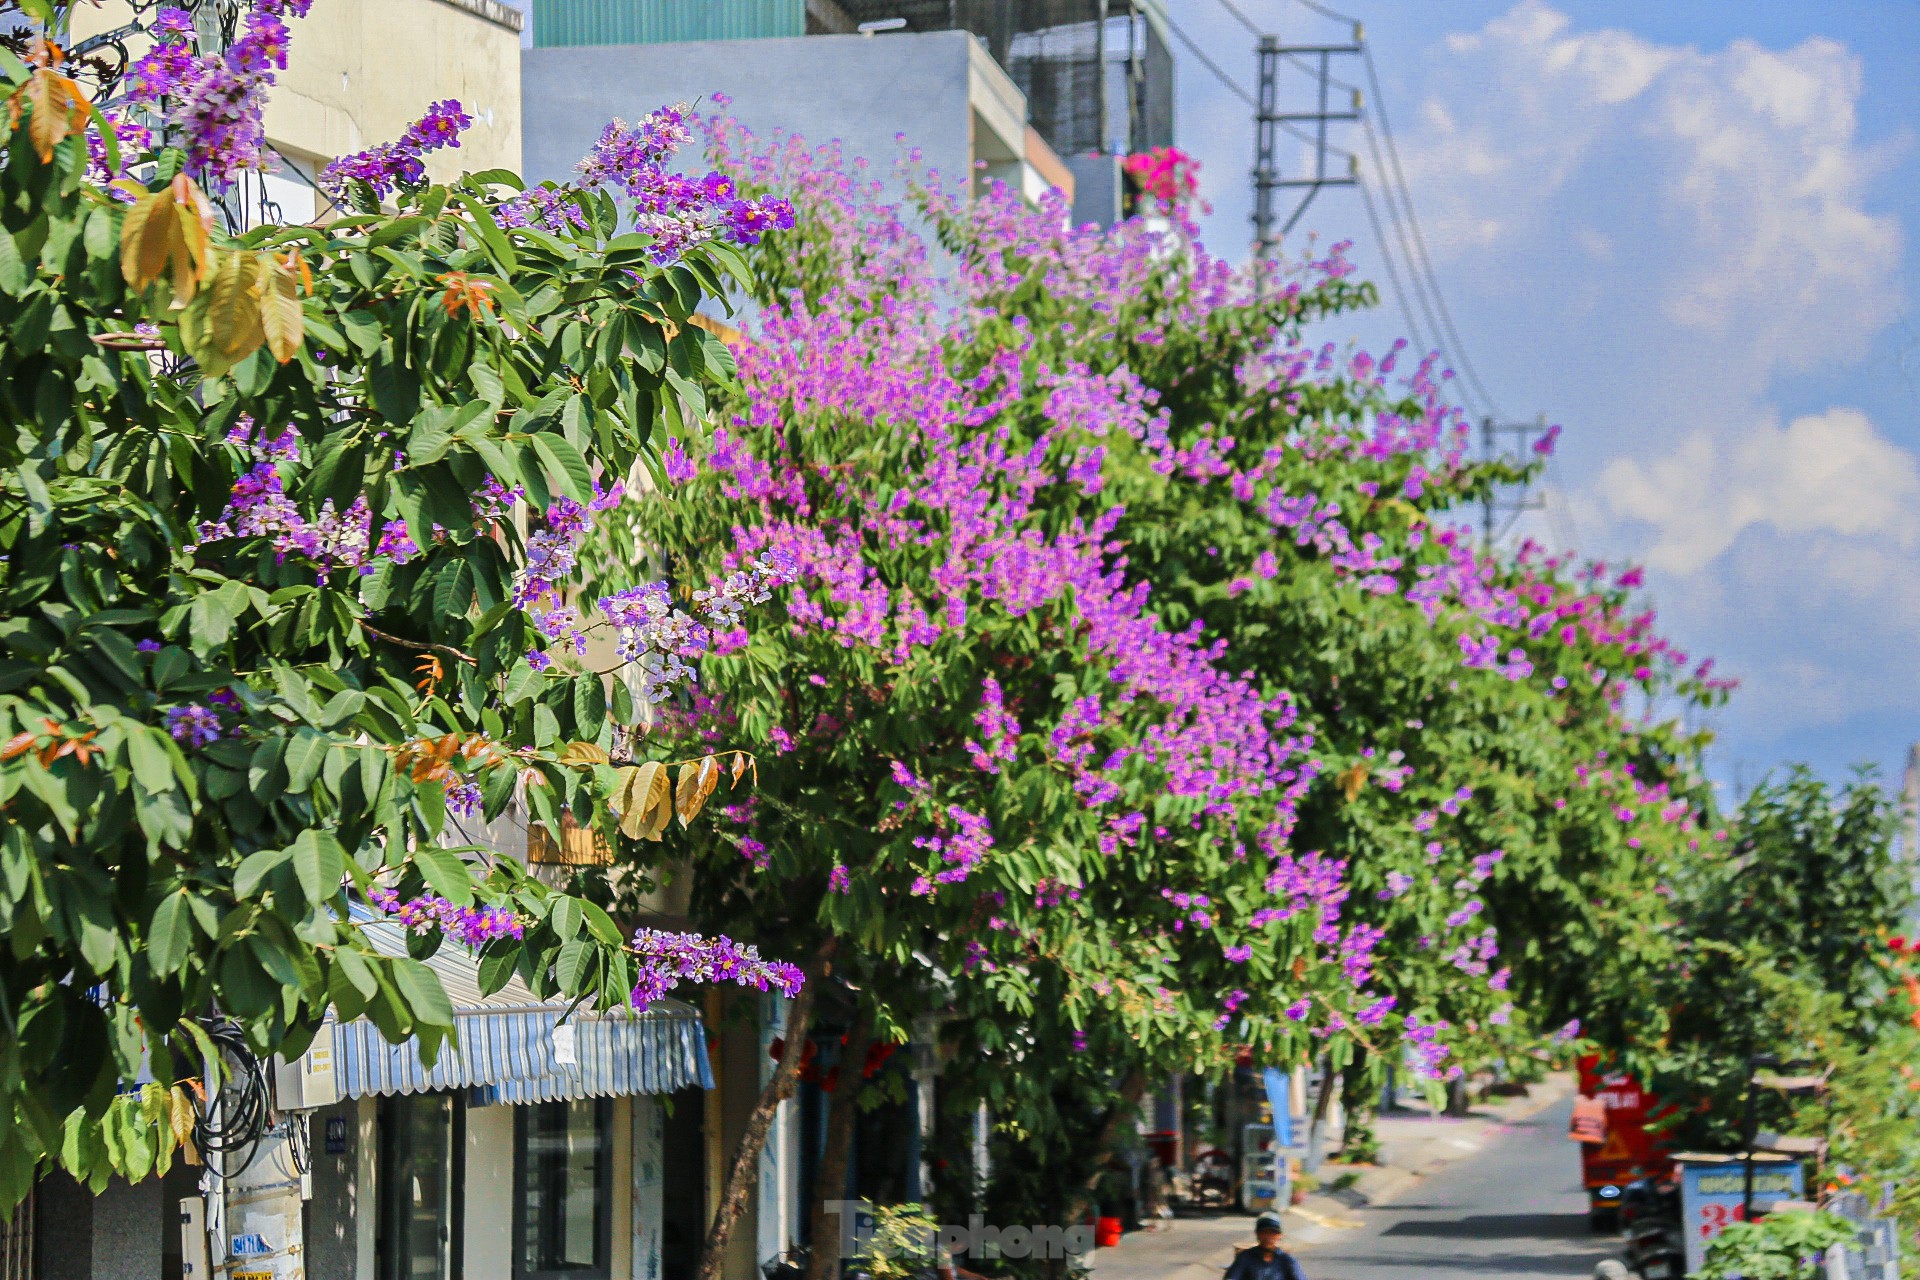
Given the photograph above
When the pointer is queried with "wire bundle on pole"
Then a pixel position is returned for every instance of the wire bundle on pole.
(238, 1116)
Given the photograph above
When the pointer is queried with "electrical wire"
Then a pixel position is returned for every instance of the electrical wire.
(1393, 272)
(1325, 12)
(239, 1114)
(1419, 240)
(1400, 240)
(1242, 18)
(1211, 65)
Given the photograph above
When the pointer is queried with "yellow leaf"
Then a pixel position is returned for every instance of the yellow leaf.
(229, 325)
(697, 781)
(145, 239)
(584, 753)
(167, 231)
(281, 318)
(739, 766)
(654, 791)
(627, 802)
(1353, 781)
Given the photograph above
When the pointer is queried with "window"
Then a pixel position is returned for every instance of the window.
(563, 1187)
(422, 1138)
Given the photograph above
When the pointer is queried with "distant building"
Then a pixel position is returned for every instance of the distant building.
(1035, 93)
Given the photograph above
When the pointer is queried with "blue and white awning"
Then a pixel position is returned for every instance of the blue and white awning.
(513, 1048)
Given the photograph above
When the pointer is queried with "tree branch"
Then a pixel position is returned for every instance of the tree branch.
(421, 645)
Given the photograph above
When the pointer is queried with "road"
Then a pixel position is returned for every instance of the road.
(1513, 1210)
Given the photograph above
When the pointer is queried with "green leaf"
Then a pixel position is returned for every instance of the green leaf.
(565, 917)
(574, 966)
(446, 873)
(426, 999)
(320, 863)
(497, 966)
(255, 868)
(600, 924)
(306, 754)
(564, 461)
(149, 751)
(170, 937)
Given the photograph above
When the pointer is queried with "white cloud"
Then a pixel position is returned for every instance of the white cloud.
(1651, 239)
(1824, 473)
(1741, 167)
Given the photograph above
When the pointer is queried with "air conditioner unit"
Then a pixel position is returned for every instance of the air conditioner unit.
(307, 1082)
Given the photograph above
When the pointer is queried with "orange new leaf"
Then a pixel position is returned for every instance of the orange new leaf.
(464, 293)
(60, 108)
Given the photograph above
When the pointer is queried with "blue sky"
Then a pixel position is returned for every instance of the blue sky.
(1683, 230)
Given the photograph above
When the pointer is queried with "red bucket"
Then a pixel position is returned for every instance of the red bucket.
(1106, 1232)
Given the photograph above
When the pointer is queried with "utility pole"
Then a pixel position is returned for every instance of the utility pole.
(1499, 509)
(1269, 121)
(1100, 78)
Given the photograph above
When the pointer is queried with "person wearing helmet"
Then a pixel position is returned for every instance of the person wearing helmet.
(1266, 1260)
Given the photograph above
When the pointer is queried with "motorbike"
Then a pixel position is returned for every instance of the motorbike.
(1650, 1221)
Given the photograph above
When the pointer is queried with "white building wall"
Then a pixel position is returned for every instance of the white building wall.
(488, 1242)
(647, 1178)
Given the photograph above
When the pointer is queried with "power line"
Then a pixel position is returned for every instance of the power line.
(1325, 12)
(1211, 65)
(1242, 18)
(1452, 333)
(1402, 241)
(1393, 272)
(1236, 87)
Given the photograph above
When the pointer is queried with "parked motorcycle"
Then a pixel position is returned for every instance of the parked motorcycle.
(1651, 1223)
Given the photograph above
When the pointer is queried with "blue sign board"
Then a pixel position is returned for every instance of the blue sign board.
(1713, 1195)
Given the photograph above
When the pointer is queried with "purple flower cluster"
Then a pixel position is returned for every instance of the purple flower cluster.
(999, 731)
(472, 926)
(194, 725)
(961, 848)
(260, 507)
(212, 105)
(659, 638)
(392, 165)
(677, 211)
(668, 959)
(1424, 1050)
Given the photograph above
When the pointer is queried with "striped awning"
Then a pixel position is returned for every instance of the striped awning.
(511, 1047)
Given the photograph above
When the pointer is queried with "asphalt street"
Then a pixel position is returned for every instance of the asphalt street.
(1512, 1210)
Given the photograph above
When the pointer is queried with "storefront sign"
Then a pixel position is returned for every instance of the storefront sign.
(1713, 1194)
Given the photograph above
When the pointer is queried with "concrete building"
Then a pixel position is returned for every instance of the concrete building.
(940, 91)
(1094, 78)
(361, 71)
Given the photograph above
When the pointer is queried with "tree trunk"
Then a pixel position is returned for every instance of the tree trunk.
(1322, 1108)
(1132, 1088)
(830, 1184)
(742, 1173)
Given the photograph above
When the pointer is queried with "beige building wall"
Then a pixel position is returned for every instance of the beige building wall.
(361, 71)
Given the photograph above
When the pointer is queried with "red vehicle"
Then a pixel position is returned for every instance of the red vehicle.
(1626, 1150)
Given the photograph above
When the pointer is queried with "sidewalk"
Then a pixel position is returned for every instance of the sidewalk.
(1414, 1143)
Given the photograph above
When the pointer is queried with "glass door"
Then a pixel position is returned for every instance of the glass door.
(421, 1140)
(563, 1174)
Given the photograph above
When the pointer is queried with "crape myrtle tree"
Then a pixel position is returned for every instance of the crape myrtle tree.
(1477, 778)
(288, 523)
(1139, 707)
